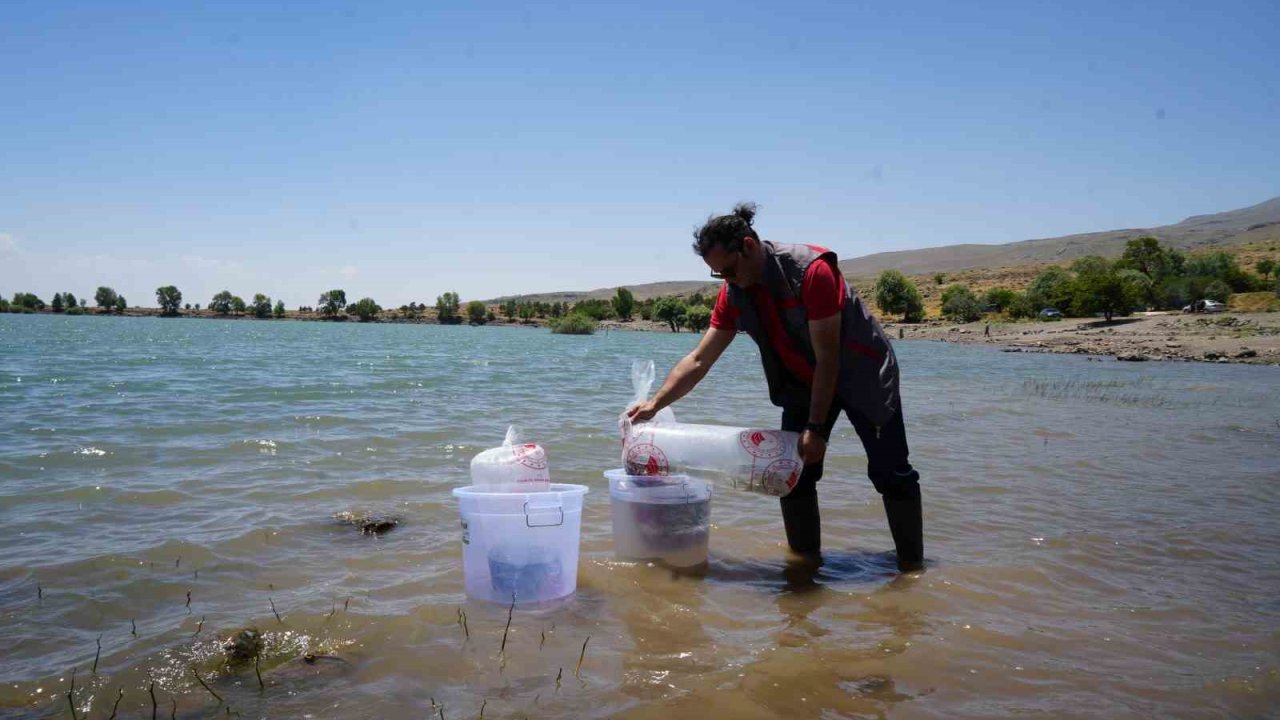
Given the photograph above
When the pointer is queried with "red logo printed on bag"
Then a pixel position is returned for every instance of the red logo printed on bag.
(781, 477)
(761, 443)
(646, 459)
(530, 456)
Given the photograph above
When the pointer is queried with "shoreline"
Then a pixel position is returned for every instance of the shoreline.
(1249, 338)
(1230, 337)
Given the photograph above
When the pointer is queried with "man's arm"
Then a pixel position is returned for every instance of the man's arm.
(825, 336)
(686, 374)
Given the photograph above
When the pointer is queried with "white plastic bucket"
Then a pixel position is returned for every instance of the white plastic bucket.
(665, 518)
(521, 544)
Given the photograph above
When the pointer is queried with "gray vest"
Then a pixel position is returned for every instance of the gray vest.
(868, 379)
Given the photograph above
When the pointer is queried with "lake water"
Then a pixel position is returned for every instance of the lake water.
(1102, 538)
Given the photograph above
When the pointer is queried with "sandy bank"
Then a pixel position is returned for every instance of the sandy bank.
(1226, 337)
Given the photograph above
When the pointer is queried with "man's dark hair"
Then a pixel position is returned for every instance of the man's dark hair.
(726, 231)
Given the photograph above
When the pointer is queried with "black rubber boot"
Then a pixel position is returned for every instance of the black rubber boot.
(803, 524)
(905, 523)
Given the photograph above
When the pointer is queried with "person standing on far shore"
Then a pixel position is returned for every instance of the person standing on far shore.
(823, 355)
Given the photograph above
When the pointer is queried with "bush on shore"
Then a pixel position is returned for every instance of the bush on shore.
(573, 324)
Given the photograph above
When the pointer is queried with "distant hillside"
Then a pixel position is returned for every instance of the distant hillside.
(1259, 223)
(641, 292)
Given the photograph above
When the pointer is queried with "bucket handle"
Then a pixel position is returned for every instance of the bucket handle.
(528, 521)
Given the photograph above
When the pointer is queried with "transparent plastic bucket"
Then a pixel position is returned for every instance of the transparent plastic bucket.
(521, 544)
(666, 518)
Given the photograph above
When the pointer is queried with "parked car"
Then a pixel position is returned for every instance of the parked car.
(1205, 306)
(1050, 314)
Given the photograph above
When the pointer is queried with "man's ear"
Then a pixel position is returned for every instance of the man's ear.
(750, 244)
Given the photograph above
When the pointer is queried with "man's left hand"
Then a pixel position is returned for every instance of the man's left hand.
(813, 447)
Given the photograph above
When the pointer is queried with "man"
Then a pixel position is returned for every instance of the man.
(823, 354)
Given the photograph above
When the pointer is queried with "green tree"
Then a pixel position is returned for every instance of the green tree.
(476, 312)
(279, 309)
(332, 302)
(939, 278)
(447, 308)
(1052, 288)
(960, 304)
(1020, 307)
(4, 305)
(261, 306)
(121, 304)
(106, 298)
(1215, 264)
(1149, 257)
(624, 303)
(221, 303)
(69, 300)
(671, 311)
(169, 299)
(1218, 290)
(573, 324)
(1100, 287)
(897, 293)
(365, 309)
(698, 318)
(1265, 266)
(999, 299)
(238, 305)
(595, 308)
(509, 308)
(27, 301)
(56, 305)
(1222, 266)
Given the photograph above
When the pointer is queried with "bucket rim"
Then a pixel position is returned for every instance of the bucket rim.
(672, 479)
(555, 489)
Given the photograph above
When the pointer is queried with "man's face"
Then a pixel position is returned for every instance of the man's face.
(740, 268)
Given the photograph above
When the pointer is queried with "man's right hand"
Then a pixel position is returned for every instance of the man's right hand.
(641, 412)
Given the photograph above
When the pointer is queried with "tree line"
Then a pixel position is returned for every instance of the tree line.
(1147, 275)
(332, 304)
(108, 301)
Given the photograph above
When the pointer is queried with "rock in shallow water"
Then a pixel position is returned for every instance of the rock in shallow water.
(369, 523)
(243, 646)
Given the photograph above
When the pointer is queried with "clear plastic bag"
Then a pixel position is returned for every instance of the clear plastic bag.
(755, 459)
(512, 467)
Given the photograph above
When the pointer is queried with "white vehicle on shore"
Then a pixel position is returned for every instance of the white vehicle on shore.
(1205, 306)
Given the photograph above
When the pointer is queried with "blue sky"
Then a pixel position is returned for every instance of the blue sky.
(402, 149)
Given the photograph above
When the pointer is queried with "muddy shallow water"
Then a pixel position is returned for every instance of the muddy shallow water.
(1100, 536)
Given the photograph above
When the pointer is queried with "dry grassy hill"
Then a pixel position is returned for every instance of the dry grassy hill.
(1258, 224)
(1250, 234)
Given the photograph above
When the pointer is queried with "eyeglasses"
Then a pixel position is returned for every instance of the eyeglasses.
(728, 272)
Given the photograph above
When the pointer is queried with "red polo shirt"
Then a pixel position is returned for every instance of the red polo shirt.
(821, 294)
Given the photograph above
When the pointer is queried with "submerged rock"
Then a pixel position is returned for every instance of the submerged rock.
(243, 646)
(368, 523)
